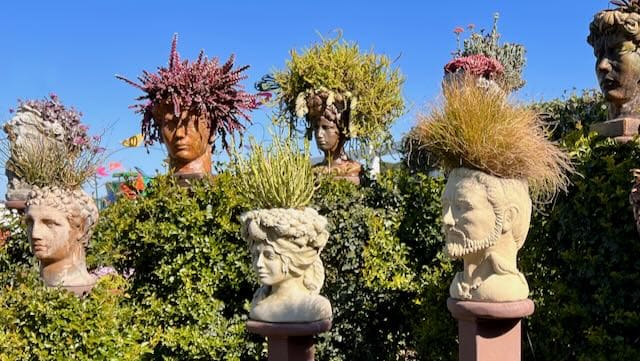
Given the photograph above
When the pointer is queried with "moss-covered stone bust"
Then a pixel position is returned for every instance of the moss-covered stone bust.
(614, 35)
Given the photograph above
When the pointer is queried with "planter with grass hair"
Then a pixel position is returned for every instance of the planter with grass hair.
(341, 94)
(285, 238)
(498, 159)
(50, 151)
(187, 105)
(41, 132)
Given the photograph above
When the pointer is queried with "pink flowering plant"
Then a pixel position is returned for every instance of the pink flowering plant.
(52, 111)
(502, 62)
(60, 153)
(477, 65)
(202, 87)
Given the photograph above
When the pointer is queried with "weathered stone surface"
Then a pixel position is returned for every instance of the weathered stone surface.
(59, 226)
(486, 220)
(285, 245)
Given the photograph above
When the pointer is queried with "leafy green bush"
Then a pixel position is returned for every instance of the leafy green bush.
(581, 260)
(190, 267)
(41, 323)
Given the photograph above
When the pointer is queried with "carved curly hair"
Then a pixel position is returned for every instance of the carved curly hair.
(297, 236)
(79, 207)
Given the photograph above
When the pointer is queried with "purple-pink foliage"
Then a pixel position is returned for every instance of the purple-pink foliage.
(202, 87)
(52, 110)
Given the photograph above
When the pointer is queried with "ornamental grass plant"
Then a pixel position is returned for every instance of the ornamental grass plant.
(487, 131)
(43, 162)
(275, 176)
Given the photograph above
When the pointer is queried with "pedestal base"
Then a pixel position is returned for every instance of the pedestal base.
(489, 331)
(289, 341)
(20, 206)
(621, 129)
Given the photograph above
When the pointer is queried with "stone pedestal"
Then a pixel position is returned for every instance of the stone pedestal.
(489, 331)
(289, 341)
(621, 129)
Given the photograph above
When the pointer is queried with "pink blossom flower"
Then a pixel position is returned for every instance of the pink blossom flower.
(114, 165)
(458, 30)
(101, 171)
(83, 127)
(79, 141)
(478, 64)
(471, 27)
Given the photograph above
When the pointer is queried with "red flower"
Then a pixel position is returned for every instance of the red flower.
(458, 30)
(477, 64)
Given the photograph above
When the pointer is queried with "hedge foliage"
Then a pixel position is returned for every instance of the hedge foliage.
(386, 276)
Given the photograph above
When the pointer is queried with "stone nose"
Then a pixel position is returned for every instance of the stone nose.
(603, 65)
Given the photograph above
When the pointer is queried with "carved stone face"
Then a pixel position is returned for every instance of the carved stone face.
(327, 135)
(469, 219)
(617, 68)
(50, 235)
(186, 137)
(268, 265)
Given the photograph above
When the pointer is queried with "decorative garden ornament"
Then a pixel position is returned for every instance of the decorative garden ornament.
(188, 139)
(285, 245)
(614, 35)
(329, 117)
(342, 95)
(485, 221)
(187, 105)
(59, 226)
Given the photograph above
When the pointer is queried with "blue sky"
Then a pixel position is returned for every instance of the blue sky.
(74, 48)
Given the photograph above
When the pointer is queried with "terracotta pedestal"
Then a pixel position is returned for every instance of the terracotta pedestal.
(620, 129)
(289, 341)
(489, 331)
(20, 206)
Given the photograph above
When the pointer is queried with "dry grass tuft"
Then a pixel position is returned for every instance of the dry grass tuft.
(481, 129)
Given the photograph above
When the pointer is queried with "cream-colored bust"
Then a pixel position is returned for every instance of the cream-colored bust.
(59, 225)
(485, 221)
(285, 245)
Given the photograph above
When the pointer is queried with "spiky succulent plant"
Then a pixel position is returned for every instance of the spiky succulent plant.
(203, 87)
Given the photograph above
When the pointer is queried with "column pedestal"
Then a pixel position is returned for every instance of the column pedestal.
(620, 129)
(489, 331)
(289, 341)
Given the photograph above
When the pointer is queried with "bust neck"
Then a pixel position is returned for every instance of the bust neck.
(288, 287)
(200, 165)
(630, 109)
(69, 271)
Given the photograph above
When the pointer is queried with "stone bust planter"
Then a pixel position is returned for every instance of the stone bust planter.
(614, 35)
(285, 245)
(188, 139)
(327, 120)
(59, 226)
(486, 221)
(188, 105)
